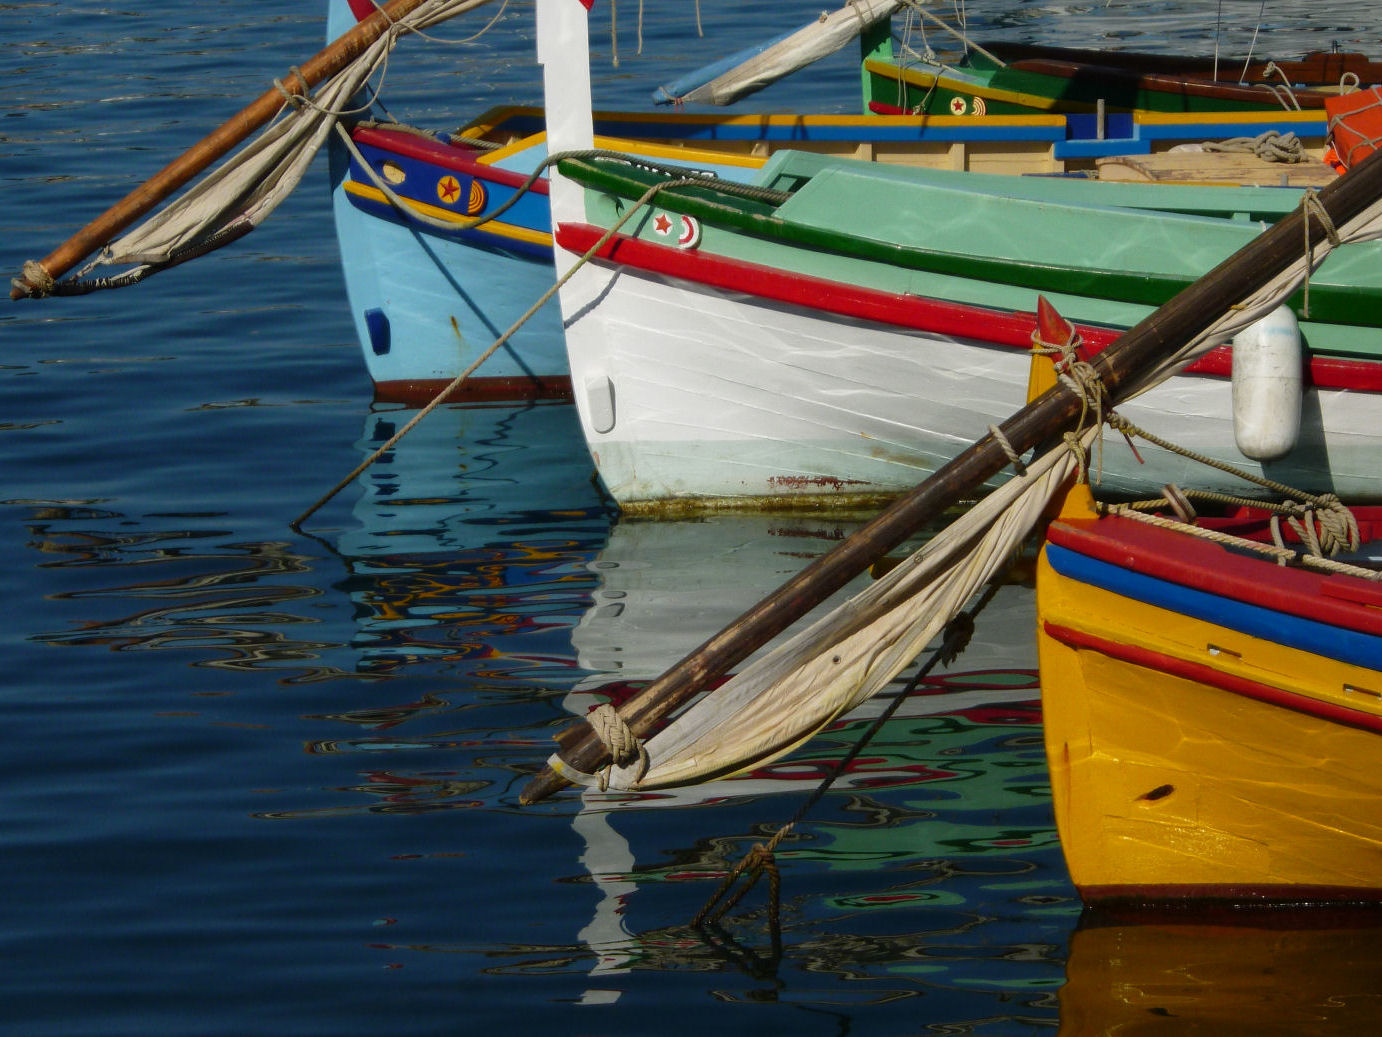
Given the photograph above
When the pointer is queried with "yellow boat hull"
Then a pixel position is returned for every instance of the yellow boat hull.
(1189, 760)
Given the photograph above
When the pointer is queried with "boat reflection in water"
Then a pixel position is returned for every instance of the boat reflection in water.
(1254, 972)
(469, 540)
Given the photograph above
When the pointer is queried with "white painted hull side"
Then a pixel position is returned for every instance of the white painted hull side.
(719, 398)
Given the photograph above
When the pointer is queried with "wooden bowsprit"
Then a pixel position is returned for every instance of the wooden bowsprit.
(215, 145)
(1120, 368)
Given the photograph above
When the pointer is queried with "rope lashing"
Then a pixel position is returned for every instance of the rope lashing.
(294, 98)
(1014, 458)
(1311, 205)
(1079, 376)
(1311, 557)
(624, 747)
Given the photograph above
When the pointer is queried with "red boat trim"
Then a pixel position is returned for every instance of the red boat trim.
(1334, 598)
(421, 391)
(1208, 675)
(459, 159)
(998, 327)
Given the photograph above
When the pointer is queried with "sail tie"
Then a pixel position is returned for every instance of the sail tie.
(624, 747)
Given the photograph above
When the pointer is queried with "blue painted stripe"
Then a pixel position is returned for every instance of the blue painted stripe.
(1221, 130)
(1306, 635)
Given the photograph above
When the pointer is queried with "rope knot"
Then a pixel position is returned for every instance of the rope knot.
(34, 280)
(1328, 527)
(624, 747)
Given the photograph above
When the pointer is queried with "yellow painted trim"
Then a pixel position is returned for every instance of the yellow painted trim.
(489, 158)
(495, 227)
(1149, 118)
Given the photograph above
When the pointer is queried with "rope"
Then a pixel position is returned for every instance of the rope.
(1317, 533)
(1014, 458)
(623, 745)
(1311, 205)
(1270, 146)
(959, 34)
(1283, 94)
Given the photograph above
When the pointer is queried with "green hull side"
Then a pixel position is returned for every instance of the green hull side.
(975, 90)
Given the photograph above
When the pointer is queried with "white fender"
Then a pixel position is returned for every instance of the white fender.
(1268, 370)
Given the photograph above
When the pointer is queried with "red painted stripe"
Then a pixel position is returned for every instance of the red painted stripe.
(458, 158)
(1334, 598)
(362, 9)
(998, 327)
(421, 391)
(1213, 678)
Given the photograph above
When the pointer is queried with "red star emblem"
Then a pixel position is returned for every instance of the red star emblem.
(957, 106)
(662, 223)
(448, 189)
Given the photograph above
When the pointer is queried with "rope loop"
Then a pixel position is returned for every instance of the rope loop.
(1327, 528)
(1014, 458)
(296, 98)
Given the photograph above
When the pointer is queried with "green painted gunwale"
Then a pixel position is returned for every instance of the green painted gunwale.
(1353, 299)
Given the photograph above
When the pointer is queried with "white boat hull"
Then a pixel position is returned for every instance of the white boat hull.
(693, 395)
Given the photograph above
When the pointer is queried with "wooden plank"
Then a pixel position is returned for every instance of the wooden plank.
(1214, 167)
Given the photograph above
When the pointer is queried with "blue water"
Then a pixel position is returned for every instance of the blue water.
(262, 780)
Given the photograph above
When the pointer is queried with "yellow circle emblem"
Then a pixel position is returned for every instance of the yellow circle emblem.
(449, 190)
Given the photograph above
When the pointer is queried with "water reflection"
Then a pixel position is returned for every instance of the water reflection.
(235, 606)
(480, 586)
(1267, 972)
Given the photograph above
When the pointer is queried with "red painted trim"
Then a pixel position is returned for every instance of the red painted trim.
(362, 9)
(416, 393)
(1210, 677)
(998, 327)
(1334, 598)
(456, 157)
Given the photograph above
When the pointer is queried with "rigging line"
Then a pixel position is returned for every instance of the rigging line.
(954, 640)
(1248, 60)
(430, 38)
(1218, 24)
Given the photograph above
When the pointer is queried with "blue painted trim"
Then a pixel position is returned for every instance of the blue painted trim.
(1306, 635)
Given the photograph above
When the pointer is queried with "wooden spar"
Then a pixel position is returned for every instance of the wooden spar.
(349, 46)
(1057, 410)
